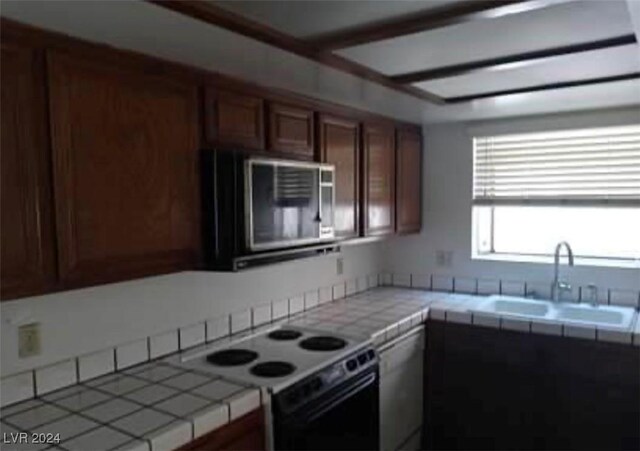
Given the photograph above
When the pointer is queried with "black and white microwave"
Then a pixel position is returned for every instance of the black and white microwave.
(257, 205)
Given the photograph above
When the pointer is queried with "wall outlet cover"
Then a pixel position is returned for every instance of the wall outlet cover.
(29, 340)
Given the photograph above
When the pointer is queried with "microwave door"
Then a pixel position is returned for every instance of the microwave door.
(284, 205)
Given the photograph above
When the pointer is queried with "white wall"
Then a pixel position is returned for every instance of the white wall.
(91, 319)
(448, 172)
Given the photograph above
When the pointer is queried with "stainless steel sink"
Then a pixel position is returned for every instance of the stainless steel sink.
(609, 317)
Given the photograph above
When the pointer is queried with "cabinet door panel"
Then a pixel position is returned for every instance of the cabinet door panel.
(234, 118)
(379, 179)
(339, 143)
(291, 130)
(125, 170)
(27, 230)
(409, 186)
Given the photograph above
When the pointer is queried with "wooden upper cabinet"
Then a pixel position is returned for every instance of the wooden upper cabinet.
(125, 151)
(379, 178)
(291, 130)
(28, 265)
(409, 180)
(339, 145)
(234, 118)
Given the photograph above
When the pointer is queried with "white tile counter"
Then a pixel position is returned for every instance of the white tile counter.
(161, 406)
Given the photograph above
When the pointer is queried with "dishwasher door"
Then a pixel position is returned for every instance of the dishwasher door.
(401, 391)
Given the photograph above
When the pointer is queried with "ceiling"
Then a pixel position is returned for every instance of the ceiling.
(572, 41)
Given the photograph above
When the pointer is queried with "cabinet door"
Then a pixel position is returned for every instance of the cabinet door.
(291, 130)
(27, 265)
(245, 433)
(379, 181)
(339, 144)
(125, 171)
(234, 118)
(408, 182)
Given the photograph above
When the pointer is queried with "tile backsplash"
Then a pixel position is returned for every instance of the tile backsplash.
(43, 380)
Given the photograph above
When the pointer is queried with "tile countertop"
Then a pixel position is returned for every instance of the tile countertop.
(161, 406)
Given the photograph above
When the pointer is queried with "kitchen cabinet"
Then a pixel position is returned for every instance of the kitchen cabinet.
(28, 263)
(379, 178)
(234, 118)
(409, 180)
(401, 392)
(340, 146)
(125, 149)
(494, 389)
(291, 130)
(245, 433)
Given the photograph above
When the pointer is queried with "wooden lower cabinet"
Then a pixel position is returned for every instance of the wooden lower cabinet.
(494, 389)
(339, 145)
(379, 179)
(245, 433)
(125, 163)
(27, 250)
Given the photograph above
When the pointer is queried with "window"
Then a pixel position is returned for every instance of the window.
(531, 191)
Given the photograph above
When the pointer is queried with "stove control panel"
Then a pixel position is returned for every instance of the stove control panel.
(324, 380)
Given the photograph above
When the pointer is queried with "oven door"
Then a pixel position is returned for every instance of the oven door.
(346, 418)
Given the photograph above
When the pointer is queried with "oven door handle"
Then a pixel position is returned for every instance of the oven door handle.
(313, 414)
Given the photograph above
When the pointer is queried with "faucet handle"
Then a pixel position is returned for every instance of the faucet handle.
(592, 291)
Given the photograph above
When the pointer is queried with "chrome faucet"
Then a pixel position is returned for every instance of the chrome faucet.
(558, 287)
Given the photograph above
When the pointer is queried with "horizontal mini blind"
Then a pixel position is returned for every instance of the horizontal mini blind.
(591, 166)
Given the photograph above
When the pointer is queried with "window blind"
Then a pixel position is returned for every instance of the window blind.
(591, 166)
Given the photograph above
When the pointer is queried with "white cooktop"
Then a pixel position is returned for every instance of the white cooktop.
(306, 362)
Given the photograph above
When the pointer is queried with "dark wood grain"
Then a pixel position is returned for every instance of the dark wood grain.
(408, 180)
(379, 179)
(125, 171)
(235, 118)
(291, 130)
(27, 246)
(494, 389)
(245, 433)
(340, 146)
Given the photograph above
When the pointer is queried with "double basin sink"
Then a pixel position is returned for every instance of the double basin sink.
(602, 316)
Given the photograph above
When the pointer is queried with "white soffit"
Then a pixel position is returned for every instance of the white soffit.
(563, 24)
(578, 66)
(306, 18)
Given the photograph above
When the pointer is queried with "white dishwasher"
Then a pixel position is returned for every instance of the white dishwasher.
(401, 386)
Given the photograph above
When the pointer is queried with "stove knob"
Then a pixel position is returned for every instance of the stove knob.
(362, 358)
(352, 365)
(371, 354)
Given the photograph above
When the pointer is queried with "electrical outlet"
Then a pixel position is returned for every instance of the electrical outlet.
(444, 259)
(339, 266)
(29, 340)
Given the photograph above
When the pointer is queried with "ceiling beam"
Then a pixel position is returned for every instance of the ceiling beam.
(427, 20)
(512, 61)
(220, 17)
(545, 87)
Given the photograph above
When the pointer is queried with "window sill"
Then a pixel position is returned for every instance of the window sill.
(578, 261)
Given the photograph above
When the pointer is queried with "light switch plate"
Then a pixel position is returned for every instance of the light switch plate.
(29, 340)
